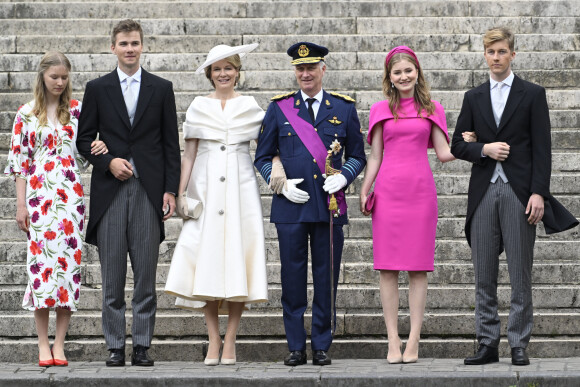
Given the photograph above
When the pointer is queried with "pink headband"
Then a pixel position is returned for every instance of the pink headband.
(401, 50)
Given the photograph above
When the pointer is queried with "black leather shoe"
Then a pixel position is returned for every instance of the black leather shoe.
(116, 358)
(321, 358)
(140, 358)
(519, 357)
(484, 355)
(295, 358)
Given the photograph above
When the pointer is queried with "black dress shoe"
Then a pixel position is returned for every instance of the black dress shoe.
(116, 358)
(321, 358)
(484, 355)
(140, 358)
(295, 358)
(519, 357)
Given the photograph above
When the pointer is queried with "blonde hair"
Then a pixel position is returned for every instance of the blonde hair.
(234, 60)
(497, 34)
(421, 95)
(50, 59)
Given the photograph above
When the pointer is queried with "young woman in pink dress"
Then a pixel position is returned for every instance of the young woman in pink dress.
(401, 129)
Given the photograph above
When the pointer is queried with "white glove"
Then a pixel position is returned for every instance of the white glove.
(277, 178)
(294, 194)
(334, 183)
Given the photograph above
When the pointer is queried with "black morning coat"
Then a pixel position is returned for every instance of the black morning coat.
(525, 127)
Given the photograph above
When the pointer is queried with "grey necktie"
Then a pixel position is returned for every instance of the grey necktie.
(130, 100)
(498, 104)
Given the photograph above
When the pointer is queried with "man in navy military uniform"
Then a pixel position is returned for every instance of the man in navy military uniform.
(300, 127)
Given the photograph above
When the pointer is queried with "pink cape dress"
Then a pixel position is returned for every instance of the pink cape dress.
(405, 210)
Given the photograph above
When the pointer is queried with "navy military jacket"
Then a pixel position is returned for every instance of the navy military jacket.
(337, 119)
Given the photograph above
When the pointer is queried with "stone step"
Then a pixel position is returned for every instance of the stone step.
(564, 104)
(176, 44)
(355, 250)
(231, 24)
(562, 140)
(260, 61)
(449, 207)
(317, 9)
(349, 297)
(107, 10)
(464, 25)
(347, 79)
(274, 350)
(561, 183)
(357, 228)
(351, 273)
(187, 27)
(423, 44)
(257, 325)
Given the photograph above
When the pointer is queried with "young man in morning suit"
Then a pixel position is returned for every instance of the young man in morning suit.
(132, 187)
(509, 192)
(300, 128)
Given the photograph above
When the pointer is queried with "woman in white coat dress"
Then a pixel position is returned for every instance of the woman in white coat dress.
(219, 263)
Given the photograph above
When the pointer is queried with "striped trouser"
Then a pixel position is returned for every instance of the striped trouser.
(500, 220)
(130, 225)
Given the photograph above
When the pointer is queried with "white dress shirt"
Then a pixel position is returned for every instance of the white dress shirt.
(316, 104)
(135, 85)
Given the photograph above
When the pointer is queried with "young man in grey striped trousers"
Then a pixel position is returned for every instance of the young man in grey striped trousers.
(509, 193)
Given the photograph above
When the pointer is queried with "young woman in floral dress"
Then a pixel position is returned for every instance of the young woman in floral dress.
(50, 205)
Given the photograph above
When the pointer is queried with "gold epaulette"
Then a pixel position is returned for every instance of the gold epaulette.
(282, 96)
(342, 96)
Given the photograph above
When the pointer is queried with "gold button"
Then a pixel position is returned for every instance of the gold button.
(315, 176)
(289, 134)
(314, 160)
(316, 130)
(335, 135)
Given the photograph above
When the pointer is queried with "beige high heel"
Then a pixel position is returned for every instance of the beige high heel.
(411, 359)
(213, 362)
(398, 359)
(232, 361)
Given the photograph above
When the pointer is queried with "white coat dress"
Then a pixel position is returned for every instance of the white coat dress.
(221, 255)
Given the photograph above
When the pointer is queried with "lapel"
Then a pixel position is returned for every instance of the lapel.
(145, 93)
(517, 92)
(113, 87)
(324, 109)
(300, 104)
(484, 104)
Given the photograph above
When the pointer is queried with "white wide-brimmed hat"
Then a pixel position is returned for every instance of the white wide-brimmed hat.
(223, 51)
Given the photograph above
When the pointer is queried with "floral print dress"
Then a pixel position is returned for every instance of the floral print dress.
(47, 158)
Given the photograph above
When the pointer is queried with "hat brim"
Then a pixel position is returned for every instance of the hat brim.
(299, 61)
(226, 53)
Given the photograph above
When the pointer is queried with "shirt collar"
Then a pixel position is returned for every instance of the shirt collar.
(123, 76)
(317, 97)
(508, 81)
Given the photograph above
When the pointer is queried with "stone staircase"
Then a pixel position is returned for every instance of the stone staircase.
(447, 38)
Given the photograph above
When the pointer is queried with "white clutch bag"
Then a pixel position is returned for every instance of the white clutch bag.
(194, 208)
(189, 208)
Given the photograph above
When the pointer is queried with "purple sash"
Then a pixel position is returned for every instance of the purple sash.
(311, 141)
(305, 131)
